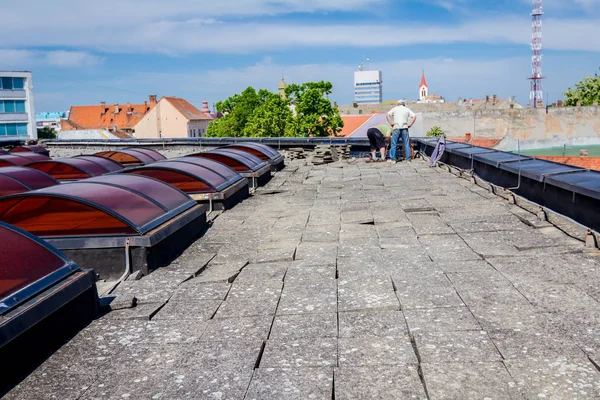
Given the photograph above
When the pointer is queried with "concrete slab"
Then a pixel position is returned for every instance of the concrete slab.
(200, 310)
(455, 346)
(197, 290)
(555, 379)
(238, 328)
(415, 297)
(371, 294)
(378, 383)
(477, 380)
(535, 344)
(368, 351)
(368, 324)
(441, 320)
(311, 298)
(293, 327)
(255, 273)
(291, 384)
(300, 353)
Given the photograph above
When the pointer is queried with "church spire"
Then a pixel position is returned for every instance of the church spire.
(423, 81)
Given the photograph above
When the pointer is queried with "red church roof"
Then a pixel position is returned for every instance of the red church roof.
(423, 81)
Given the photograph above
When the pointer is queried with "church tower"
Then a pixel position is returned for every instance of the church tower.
(281, 89)
(423, 88)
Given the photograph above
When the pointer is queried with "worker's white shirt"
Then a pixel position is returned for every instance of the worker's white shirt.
(401, 115)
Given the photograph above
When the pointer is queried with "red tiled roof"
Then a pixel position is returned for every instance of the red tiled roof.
(423, 81)
(187, 109)
(481, 142)
(352, 123)
(104, 116)
(577, 161)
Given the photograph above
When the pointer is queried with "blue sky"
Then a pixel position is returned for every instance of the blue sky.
(85, 52)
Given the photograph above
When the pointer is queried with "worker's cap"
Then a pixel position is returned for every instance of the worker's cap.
(402, 102)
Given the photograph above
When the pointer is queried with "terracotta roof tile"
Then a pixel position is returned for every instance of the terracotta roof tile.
(187, 109)
(481, 142)
(352, 123)
(105, 117)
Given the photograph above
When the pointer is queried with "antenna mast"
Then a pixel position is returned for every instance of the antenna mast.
(536, 95)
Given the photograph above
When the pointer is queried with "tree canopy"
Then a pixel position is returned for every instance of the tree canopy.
(47, 132)
(305, 111)
(586, 92)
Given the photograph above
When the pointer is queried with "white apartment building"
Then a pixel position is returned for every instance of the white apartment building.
(368, 87)
(17, 113)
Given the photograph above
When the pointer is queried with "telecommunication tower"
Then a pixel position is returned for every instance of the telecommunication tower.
(537, 95)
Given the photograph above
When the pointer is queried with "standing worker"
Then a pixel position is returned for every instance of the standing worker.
(401, 118)
(377, 137)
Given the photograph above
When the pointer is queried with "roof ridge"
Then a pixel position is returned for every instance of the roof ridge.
(361, 125)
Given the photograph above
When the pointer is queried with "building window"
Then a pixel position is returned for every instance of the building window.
(13, 129)
(8, 83)
(12, 106)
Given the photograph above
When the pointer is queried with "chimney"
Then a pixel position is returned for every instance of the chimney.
(129, 108)
(467, 137)
(103, 106)
(559, 103)
(487, 99)
(495, 97)
(116, 108)
(152, 99)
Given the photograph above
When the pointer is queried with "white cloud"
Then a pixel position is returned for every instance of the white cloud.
(70, 59)
(13, 58)
(209, 36)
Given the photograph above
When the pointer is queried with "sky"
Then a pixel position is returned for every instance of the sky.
(85, 52)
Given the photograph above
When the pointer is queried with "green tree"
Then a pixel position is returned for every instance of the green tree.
(270, 118)
(315, 116)
(435, 131)
(586, 92)
(238, 109)
(47, 132)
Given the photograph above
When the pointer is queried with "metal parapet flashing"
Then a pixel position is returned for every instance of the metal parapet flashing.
(563, 189)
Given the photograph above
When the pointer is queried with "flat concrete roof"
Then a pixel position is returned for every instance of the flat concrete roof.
(367, 280)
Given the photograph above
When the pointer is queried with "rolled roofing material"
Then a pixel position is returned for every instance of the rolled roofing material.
(22, 179)
(109, 205)
(28, 266)
(129, 156)
(70, 168)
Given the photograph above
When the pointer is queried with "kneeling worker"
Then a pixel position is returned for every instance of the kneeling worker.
(377, 138)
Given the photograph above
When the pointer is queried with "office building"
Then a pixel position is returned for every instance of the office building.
(368, 87)
(17, 112)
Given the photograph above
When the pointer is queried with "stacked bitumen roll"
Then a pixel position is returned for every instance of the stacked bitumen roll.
(344, 151)
(323, 155)
(296, 153)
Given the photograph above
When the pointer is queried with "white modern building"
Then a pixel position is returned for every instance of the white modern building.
(17, 113)
(368, 87)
